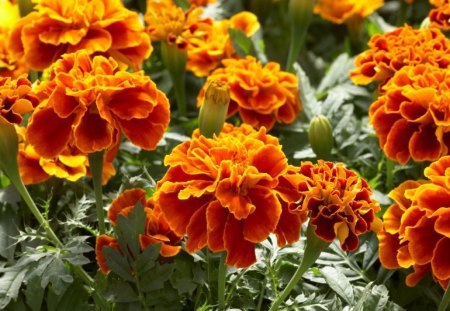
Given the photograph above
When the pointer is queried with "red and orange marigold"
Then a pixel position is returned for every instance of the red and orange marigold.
(156, 230)
(16, 99)
(90, 103)
(98, 26)
(415, 231)
(211, 45)
(440, 16)
(338, 201)
(262, 94)
(401, 47)
(220, 191)
(412, 117)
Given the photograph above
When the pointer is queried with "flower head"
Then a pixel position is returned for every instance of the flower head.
(90, 103)
(156, 230)
(261, 94)
(342, 11)
(401, 47)
(412, 118)
(213, 44)
(440, 16)
(16, 99)
(98, 26)
(338, 202)
(220, 191)
(168, 22)
(420, 213)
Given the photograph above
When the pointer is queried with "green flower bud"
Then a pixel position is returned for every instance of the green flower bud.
(321, 136)
(214, 108)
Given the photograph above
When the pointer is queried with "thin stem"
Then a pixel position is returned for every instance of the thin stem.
(314, 246)
(96, 166)
(389, 174)
(261, 295)
(445, 300)
(221, 282)
(175, 60)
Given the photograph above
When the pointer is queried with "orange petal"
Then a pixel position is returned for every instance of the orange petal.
(421, 252)
(197, 230)
(240, 253)
(128, 198)
(397, 142)
(102, 241)
(387, 249)
(440, 263)
(424, 145)
(216, 219)
(93, 133)
(420, 271)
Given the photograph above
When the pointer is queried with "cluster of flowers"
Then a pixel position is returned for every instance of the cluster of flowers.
(230, 192)
(411, 114)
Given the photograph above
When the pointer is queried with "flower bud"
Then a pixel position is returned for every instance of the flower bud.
(214, 108)
(321, 136)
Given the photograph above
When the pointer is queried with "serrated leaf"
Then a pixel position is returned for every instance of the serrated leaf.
(57, 274)
(147, 259)
(8, 230)
(10, 284)
(117, 263)
(339, 283)
(129, 228)
(371, 253)
(372, 298)
(311, 106)
(74, 298)
(334, 76)
(155, 279)
(34, 294)
(120, 292)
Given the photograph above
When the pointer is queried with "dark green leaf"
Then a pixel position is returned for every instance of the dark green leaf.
(121, 292)
(117, 263)
(339, 283)
(34, 294)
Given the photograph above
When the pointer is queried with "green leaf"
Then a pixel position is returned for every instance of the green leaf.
(117, 263)
(57, 274)
(147, 259)
(339, 283)
(371, 252)
(8, 230)
(10, 284)
(155, 279)
(120, 291)
(242, 43)
(74, 298)
(311, 106)
(34, 294)
(129, 228)
(373, 297)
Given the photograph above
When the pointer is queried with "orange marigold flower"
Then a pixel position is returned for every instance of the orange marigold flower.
(202, 2)
(16, 99)
(412, 117)
(342, 11)
(338, 202)
(220, 191)
(261, 94)
(168, 22)
(90, 103)
(99, 26)
(156, 228)
(211, 45)
(440, 16)
(401, 47)
(420, 213)
(9, 14)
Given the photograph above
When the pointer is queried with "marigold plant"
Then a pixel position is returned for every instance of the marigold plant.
(98, 26)
(220, 192)
(157, 230)
(90, 103)
(210, 47)
(401, 47)
(411, 119)
(262, 94)
(415, 230)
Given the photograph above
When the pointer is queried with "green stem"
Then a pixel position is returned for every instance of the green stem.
(221, 282)
(96, 166)
(389, 174)
(175, 60)
(402, 13)
(314, 246)
(261, 295)
(445, 300)
(300, 14)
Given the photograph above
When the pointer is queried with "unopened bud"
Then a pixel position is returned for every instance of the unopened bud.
(214, 108)
(321, 136)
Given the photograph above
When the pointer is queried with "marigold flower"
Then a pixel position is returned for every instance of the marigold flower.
(261, 94)
(220, 191)
(90, 103)
(16, 99)
(420, 213)
(338, 202)
(401, 47)
(412, 118)
(210, 46)
(440, 16)
(99, 26)
(156, 228)
(342, 11)
(201, 2)
(168, 22)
